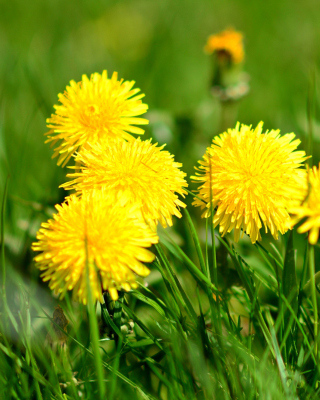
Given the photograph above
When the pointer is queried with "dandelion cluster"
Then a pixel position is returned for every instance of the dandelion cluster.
(124, 186)
(309, 209)
(250, 177)
(229, 43)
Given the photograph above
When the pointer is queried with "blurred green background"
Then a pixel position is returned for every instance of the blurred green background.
(159, 44)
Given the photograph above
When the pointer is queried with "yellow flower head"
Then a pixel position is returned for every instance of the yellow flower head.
(136, 173)
(310, 206)
(252, 176)
(93, 231)
(95, 109)
(229, 42)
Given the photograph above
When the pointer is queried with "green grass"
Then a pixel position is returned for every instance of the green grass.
(187, 340)
(258, 337)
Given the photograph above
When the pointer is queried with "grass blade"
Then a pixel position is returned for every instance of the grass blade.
(94, 331)
(3, 261)
(196, 241)
(289, 277)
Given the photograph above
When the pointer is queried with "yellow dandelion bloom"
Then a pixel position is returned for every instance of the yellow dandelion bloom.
(135, 173)
(253, 175)
(310, 206)
(99, 108)
(94, 231)
(229, 42)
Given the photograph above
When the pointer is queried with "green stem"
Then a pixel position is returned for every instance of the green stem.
(314, 299)
(94, 331)
(229, 111)
(214, 255)
(3, 261)
(207, 256)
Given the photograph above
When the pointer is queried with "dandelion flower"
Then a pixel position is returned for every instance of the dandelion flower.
(250, 177)
(94, 231)
(310, 206)
(95, 109)
(229, 43)
(136, 173)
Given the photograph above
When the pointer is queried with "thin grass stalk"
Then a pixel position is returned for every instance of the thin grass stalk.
(307, 320)
(281, 367)
(214, 255)
(314, 299)
(177, 293)
(28, 327)
(251, 293)
(207, 255)
(106, 365)
(257, 244)
(196, 242)
(3, 261)
(142, 326)
(268, 263)
(172, 297)
(163, 380)
(31, 358)
(205, 270)
(54, 368)
(192, 268)
(300, 327)
(228, 114)
(280, 306)
(194, 195)
(116, 368)
(94, 330)
(31, 370)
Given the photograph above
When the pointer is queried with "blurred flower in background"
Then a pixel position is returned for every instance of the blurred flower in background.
(227, 44)
(229, 82)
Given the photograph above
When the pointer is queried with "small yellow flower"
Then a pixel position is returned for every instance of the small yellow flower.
(253, 176)
(229, 42)
(95, 109)
(310, 206)
(136, 173)
(93, 231)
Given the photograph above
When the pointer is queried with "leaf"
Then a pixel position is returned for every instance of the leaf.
(289, 277)
(148, 301)
(196, 241)
(140, 343)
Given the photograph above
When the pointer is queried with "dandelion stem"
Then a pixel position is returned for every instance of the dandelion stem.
(214, 256)
(94, 330)
(314, 299)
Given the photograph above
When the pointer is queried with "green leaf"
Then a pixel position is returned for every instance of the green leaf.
(140, 343)
(195, 271)
(196, 241)
(142, 326)
(289, 277)
(178, 290)
(3, 261)
(148, 301)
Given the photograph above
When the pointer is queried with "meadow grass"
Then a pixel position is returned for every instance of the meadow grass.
(195, 347)
(215, 319)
